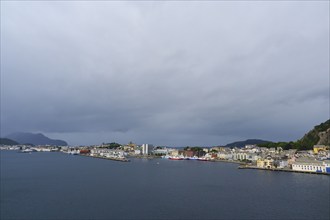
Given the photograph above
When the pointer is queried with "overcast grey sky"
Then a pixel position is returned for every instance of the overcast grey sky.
(168, 73)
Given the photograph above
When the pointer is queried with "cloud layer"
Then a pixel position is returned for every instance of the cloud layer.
(168, 73)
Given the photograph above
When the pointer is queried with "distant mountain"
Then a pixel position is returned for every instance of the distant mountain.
(35, 139)
(6, 141)
(247, 142)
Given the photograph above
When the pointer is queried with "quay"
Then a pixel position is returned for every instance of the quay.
(281, 170)
(228, 161)
(108, 158)
(149, 157)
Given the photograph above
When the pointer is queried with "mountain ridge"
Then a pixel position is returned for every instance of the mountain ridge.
(35, 139)
(7, 141)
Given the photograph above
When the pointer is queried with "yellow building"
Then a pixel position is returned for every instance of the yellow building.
(260, 163)
(174, 153)
(318, 148)
(268, 162)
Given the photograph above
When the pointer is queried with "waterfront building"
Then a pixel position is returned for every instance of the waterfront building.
(225, 156)
(161, 151)
(240, 156)
(260, 163)
(281, 163)
(308, 165)
(326, 164)
(174, 153)
(188, 153)
(147, 149)
(267, 162)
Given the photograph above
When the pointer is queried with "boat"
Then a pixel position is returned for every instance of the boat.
(203, 159)
(193, 158)
(26, 151)
(175, 158)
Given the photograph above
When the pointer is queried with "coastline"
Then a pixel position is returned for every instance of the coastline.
(281, 170)
(107, 158)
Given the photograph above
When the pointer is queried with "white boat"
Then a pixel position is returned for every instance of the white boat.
(26, 151)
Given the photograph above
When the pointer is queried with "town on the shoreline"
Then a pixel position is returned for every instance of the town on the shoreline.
(249, 157)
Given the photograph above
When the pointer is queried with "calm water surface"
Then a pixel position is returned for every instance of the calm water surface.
(60, 186)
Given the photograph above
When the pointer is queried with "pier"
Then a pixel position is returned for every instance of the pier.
(278, 169)
(108, 158)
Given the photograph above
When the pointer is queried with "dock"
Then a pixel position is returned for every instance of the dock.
(108, 158)
(280, 170)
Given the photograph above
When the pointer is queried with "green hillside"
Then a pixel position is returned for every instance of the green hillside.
(7, 141)
(314, 136)
(247, 142)
(320, 134)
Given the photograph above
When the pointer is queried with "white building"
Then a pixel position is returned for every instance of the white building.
(283, 164)
(312, 166)
(163, 151)
(147, 149)
(225, 156)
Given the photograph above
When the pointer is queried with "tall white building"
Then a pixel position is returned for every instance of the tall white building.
(147, 149)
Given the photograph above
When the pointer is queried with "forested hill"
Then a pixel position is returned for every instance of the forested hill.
(320, 134)
(247, 142)
(35, 139)
(7, 141)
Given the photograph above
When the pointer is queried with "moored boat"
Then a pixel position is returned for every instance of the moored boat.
(26, 151)
(175, 158)
(203, 159)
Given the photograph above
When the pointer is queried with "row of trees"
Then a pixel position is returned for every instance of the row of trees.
(112, 145)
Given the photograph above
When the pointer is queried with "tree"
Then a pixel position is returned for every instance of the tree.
(112, 145)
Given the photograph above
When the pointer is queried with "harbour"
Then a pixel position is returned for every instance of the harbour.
(51, 184)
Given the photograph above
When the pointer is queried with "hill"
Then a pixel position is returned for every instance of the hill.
(247, 142)
(35, 139)
(320, 134)
(7, 141)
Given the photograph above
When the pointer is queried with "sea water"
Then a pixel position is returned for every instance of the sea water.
(50, 185)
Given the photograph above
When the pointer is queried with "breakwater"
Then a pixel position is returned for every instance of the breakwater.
(108, 158)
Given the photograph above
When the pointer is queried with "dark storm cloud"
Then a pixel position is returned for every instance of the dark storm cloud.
(164, 72)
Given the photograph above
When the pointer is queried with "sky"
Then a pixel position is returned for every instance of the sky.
(172, 73)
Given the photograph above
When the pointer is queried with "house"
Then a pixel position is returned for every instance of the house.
(267, 162)
(318, 148)
(281, 163)
(161, 151)
(240, 156)
(225, 156)
(174, 153)
(260, 163)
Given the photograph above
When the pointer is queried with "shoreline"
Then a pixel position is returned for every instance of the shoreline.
(229, 161)
(107, 158)
(281, 170)
(242, 165)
